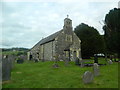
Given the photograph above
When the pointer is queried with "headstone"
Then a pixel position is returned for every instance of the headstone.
(20, 61)
(12, 60)
(77, 61)
(95, 58)
(88, 77)
(110, 62)
(6, 68)
(96, 69)
(81, 63)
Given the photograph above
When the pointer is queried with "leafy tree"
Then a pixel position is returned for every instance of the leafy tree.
(91, 41)
(112, 31)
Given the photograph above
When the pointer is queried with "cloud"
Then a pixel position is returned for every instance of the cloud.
(25, 23)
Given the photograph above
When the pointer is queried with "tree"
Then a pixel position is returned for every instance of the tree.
(91, 41)
(112, 31)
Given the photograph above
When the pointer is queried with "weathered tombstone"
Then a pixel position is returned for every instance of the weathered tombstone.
(110, 62)
(81, 63)
(96, 69)
(95, 58)
(6, 68)
(88, 77)
(12, 60)
(76, 61)
(20, 61)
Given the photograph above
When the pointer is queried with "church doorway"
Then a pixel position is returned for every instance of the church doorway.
(67, 54)
(74, 54)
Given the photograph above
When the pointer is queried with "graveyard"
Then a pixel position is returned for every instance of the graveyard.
(43, 75)
(41, 48)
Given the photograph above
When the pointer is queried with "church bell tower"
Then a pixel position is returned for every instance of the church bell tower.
(67, 24)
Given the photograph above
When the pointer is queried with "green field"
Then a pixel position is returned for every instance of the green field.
(43, 75)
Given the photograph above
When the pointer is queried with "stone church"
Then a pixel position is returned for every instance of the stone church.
(61, 45)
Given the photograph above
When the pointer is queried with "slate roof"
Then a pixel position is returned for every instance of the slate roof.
(48, 39)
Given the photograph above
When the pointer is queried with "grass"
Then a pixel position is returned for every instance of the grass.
(43, 75)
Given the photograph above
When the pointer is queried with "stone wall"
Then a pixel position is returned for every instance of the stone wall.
(48, 51)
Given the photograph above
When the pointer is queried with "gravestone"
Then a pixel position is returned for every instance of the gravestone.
(88, 77)
(76, 61)
(20, 61)
(6, 68)
(96, 69)
(81, 63)
(95, 58)
(12, 60)
(110, 62)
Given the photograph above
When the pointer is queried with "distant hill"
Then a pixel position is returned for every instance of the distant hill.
(15, 49)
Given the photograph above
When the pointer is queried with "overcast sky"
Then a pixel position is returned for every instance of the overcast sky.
(25, 22)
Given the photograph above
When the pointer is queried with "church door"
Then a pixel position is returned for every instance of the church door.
(67, 55)
(74, 55)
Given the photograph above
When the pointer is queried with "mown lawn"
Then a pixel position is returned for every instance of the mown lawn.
(43, 75)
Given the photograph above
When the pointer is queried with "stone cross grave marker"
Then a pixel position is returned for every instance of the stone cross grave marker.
(96, 69)
(88, 77)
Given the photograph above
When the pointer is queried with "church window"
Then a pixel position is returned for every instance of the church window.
(69, 38)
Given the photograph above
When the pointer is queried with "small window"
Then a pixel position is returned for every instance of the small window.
(69, 38)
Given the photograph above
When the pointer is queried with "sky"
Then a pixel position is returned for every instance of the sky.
(23, 23)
